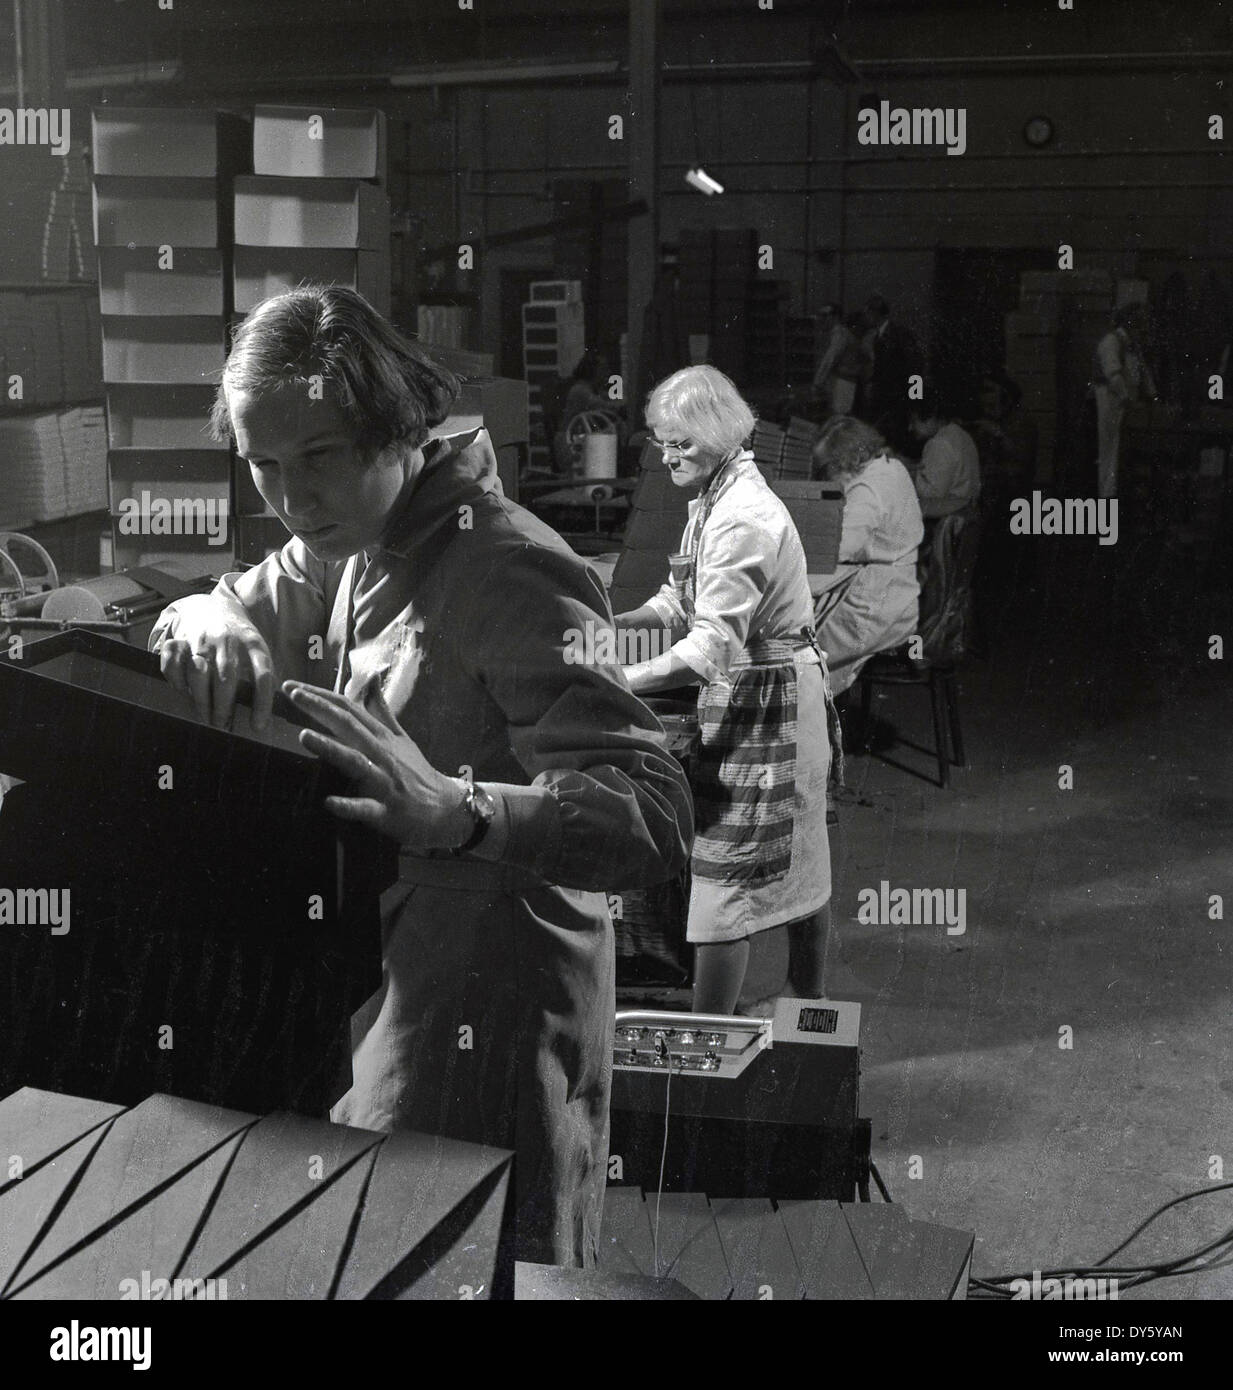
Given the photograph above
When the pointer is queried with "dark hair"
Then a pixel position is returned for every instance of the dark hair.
(931, 405)
(1007, 386)
(1125, 314)
(877, 305)
(588, 365)
(389, 391)
(844, 447)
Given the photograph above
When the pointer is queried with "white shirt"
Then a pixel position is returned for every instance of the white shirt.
(949, 476)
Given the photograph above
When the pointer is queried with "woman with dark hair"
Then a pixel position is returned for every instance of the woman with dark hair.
(520, 787)
(738, 610)
(871, 601)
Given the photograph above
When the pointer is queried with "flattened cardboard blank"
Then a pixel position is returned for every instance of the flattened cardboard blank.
(149, 1241)
(554, 1284)
(36, 1125)
(141, 1149)
(28, 1208)
(758, 1250)
(434, 1220)
(300, 1258)
(830, 1253)
(689, 1246)
(902, 1259)
(625, 1243)
(172, 1190)
(274, 1172)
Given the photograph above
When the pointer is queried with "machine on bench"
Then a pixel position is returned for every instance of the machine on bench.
(753, 1107)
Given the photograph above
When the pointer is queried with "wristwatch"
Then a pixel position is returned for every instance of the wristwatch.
(483, 808)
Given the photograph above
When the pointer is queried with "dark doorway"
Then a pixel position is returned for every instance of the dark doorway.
(974, 289)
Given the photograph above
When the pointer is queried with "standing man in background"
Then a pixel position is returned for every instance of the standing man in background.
(896, 357)
(834, 382)
(1119, 377)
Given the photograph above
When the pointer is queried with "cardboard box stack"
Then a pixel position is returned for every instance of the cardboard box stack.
(49, 347)
(313, 210)
(767, 445)
(55, 465)
(799, 439)
(784, 454)
(553, 339)
(817, 510)
(162, 226)
(51, 466)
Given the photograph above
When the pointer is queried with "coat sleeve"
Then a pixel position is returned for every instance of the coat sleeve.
(862, 514)
(736, 561)
(284, 598)
(608, 806)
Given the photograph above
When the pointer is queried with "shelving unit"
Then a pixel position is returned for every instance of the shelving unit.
(162, 225)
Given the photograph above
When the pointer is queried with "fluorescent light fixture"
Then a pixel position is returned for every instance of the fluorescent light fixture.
(703, 182)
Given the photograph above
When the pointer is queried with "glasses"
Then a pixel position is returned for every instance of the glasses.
(673, 446)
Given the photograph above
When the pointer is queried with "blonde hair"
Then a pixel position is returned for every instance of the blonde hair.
(703, 404)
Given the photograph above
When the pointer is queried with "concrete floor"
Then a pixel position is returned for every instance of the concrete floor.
(1086, 908)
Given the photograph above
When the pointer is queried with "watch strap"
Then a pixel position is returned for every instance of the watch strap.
(483, 819)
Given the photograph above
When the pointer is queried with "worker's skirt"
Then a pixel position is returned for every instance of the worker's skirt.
(750, 903)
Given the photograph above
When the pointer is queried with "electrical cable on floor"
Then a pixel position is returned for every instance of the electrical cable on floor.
(995, 1286)
(663, 1157)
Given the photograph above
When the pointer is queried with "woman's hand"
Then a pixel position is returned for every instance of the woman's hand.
(398, 791)
(210, 662)
(665, 672)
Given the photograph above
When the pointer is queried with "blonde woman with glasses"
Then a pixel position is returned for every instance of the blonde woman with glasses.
(739, 614)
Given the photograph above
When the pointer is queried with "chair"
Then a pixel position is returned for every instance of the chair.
(945, 630)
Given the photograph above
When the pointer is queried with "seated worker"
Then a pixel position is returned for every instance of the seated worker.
(587, 393)
(588, 388)
(738, 613)
(520, 787)
(1005, 441)
(870, 603)
(948, 477)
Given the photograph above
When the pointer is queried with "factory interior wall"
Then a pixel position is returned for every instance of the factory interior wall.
(874, 217)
